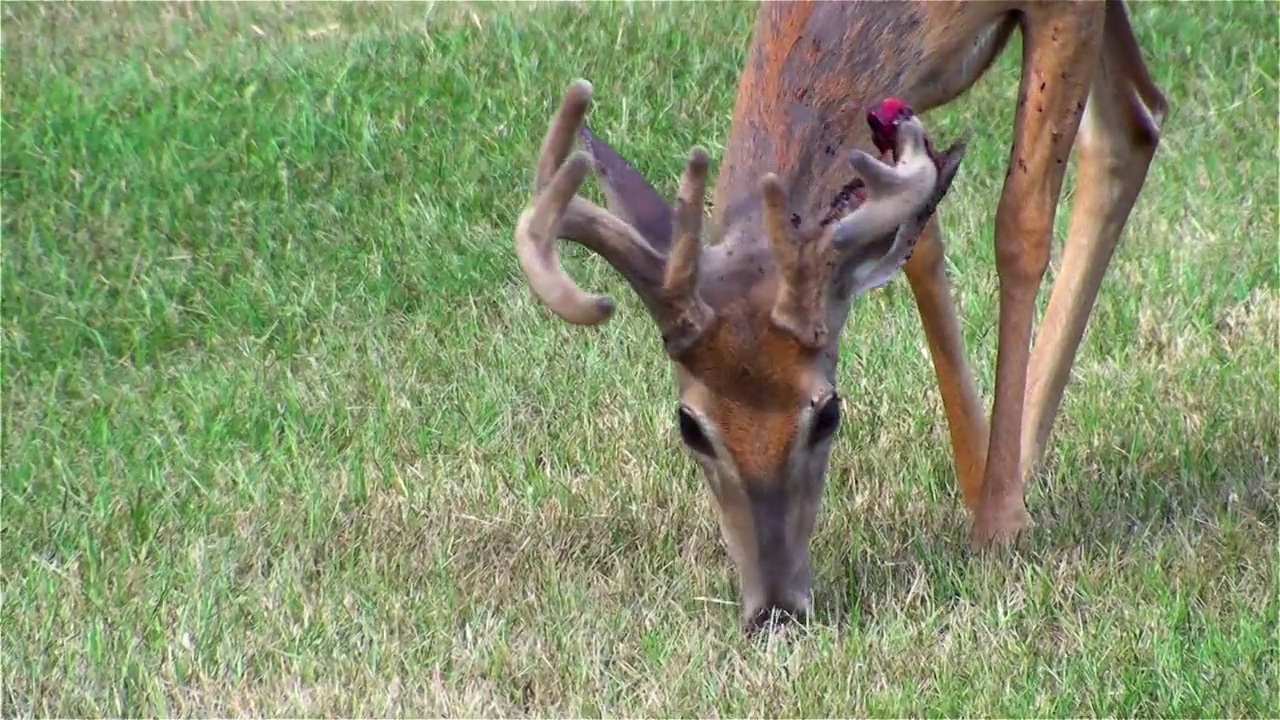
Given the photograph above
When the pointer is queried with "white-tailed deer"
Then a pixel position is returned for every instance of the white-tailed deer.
(751, 322)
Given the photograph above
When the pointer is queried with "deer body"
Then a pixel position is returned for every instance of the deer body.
(751, 322)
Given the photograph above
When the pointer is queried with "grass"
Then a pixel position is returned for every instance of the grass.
(285, 433)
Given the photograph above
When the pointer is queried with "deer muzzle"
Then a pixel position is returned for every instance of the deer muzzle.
(777, 578)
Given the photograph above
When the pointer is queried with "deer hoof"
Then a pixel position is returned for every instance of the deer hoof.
(999, 527)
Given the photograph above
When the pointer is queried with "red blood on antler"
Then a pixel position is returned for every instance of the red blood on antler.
(884, 119)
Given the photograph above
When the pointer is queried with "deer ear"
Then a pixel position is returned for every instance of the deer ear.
(629, 195)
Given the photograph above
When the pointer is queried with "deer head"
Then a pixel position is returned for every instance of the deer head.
(750, 324)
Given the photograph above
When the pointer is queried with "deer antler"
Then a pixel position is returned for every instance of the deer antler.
(900, 200)
(805, 264)
(895, 196)
(667, 283)
(687, 315)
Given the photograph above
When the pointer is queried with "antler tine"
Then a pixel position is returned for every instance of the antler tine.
(555, 186)
(558, 140)
(775, 216)
(540, 257)
(688, 316)
(803, 269)
(948, 164)
(681, 273)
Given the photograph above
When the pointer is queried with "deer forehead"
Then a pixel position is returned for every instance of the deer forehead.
(752, 381)
(745, 361)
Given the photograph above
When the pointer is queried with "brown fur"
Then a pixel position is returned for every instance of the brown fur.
(748, 367)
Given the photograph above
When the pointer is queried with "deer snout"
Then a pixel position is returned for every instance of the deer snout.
(790, 612)
(783, 588)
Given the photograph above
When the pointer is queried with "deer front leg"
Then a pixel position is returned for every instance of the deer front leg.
(966, 418)
(1060, 45)
(1117, 141)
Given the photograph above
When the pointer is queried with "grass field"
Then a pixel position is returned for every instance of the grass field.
(286, 434)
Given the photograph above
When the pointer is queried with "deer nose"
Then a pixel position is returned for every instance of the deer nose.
(775, 617)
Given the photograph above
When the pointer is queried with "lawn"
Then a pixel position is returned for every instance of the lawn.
(285, 432)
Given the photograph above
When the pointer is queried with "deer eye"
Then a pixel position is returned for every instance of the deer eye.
(691, 433)
(827, 421)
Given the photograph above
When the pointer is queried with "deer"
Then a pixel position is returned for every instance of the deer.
(751, 315)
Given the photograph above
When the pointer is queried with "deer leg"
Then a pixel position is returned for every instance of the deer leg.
(1117, 140)
(1060, 43)
(966, 418)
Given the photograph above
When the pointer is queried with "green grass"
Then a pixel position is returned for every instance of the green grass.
(285, 432)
